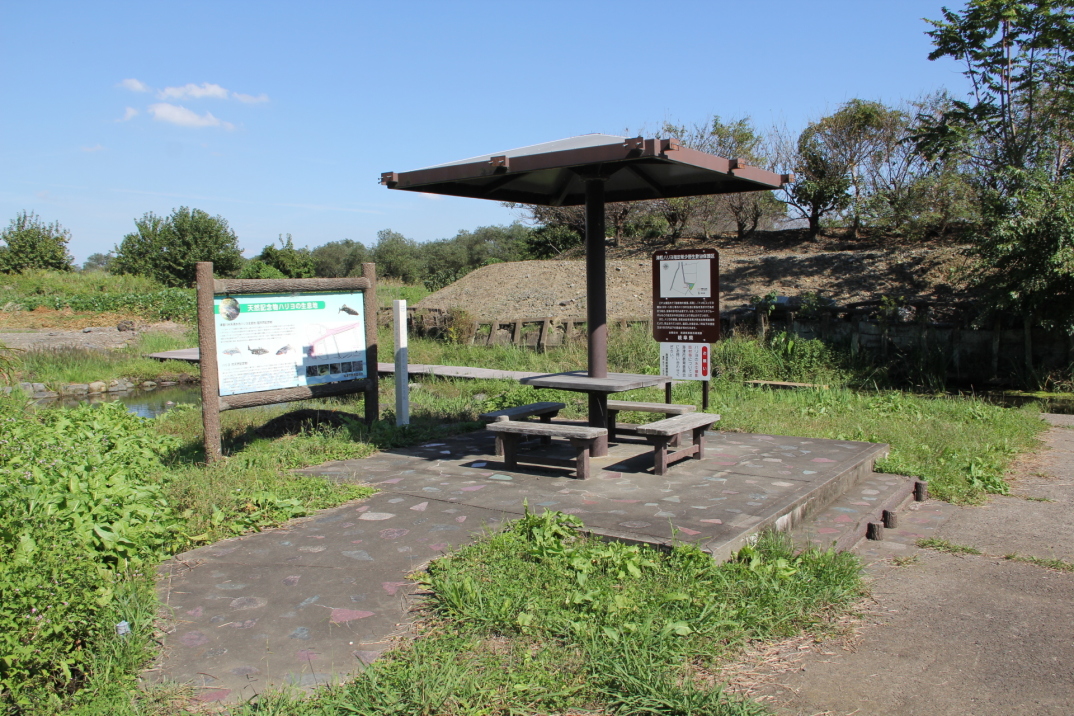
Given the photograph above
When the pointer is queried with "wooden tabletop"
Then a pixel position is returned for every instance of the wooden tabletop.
(579, 380)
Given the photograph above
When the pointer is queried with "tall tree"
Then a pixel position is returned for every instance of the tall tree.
(168, 249)
(821, 179)
(398, 257)
(337, 259)
(291, 262)
(1017, 59)
(1014, 131)
(30, 243)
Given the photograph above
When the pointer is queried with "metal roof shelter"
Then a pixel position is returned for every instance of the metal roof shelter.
(590, 169)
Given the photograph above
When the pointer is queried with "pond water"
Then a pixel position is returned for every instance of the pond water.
(146, 403)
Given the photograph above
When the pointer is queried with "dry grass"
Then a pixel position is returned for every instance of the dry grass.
(66, 319)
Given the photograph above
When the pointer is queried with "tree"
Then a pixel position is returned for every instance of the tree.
(289, 261)
(98, 262)
(902, 190)
(1026, 245)
(1017, 57)
(30, 243)
(168, 249)
(821, 180)
(338, 259)
(398, 257)
(256, 268)
(1014, 134)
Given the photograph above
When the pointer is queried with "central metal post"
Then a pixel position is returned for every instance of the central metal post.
(596, 290)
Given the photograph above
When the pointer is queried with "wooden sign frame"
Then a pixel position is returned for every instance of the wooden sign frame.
(212, 404)
(691, 319)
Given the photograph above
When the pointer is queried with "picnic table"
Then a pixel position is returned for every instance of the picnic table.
(598, 390)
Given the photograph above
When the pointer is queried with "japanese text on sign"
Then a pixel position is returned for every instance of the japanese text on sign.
(685, 361)
(267, 342)
(686, 291)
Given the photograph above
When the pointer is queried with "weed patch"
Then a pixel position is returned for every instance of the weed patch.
(1060, 565)
(542, 619)
(942, 545)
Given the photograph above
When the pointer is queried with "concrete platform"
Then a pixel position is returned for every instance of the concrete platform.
(308, 603)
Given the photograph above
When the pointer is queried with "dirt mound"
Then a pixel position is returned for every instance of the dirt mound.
(779, 261)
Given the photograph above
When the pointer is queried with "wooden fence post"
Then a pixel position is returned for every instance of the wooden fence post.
(210, 374)
(372, 392)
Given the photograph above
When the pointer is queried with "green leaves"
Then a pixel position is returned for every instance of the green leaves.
(167, 249)
(29, 243)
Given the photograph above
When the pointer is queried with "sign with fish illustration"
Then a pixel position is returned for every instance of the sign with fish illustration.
(275, 341)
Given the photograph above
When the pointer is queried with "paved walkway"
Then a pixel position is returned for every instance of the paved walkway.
(307, 603)
(960, 635)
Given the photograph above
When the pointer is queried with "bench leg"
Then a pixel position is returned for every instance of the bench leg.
(699, 443)
(499, 444)
(660, 454)
(510, 449)
(547, 418)
(581, 462)
(613, 416)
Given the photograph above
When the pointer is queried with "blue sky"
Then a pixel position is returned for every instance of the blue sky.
(281, 116)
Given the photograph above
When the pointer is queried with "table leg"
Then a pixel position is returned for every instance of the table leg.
(547, 418)
(598, 418)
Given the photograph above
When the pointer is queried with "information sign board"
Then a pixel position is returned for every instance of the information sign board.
(686, 361)
(686, 295)
(276, 341)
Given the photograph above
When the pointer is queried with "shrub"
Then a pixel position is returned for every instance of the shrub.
(80, 505)
(29, 243)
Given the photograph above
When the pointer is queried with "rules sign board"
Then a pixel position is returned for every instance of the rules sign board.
(685, 361)
(686, 296)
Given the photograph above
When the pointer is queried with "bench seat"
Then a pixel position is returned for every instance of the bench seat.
(614, 406)
(545, 411)
(661, 432)
(509, 433)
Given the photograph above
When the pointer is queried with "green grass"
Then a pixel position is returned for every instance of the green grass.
(73, 283)
(540, 619)
(57, 367)
(942, 545)
(389, 290)
(960, 444)
(1060, 565)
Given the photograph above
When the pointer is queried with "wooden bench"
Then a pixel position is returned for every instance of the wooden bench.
(545, 411)
(614, 406)
(661, 432)
(512, 432)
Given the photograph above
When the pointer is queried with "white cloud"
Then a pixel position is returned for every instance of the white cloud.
(94, 148)
(128, 115)
(249, 98)
(193, 91)
(184, 117)
(134, 85)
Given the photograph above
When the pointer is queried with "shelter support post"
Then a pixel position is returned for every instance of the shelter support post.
(596, 305)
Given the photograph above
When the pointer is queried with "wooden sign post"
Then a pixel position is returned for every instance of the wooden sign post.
(266, 341)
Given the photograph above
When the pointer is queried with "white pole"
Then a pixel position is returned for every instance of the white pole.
(402, 377)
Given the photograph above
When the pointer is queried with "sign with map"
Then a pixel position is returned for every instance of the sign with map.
(686, 296)
(275, 341)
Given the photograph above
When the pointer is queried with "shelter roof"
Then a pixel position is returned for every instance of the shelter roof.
(554, 173)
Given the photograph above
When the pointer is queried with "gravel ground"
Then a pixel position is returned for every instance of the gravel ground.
(96, 337)
(843, 271)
